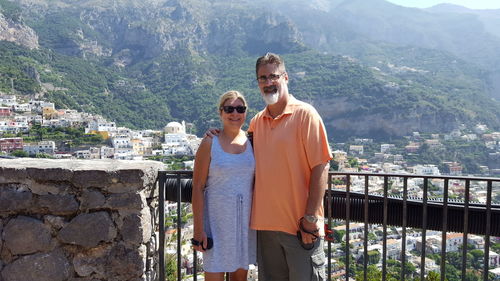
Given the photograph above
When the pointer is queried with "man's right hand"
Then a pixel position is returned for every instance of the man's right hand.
(211, 132)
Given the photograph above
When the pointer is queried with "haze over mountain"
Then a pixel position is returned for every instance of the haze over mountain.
(372, 68)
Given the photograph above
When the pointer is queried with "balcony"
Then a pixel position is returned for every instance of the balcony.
(450, 216)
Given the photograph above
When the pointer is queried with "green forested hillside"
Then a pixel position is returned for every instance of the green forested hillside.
(144, 65)
(81, 84)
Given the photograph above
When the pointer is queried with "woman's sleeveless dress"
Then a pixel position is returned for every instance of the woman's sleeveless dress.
(228, 199)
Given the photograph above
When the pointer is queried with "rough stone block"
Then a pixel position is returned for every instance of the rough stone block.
(131, 176)
(25, 235)
(49, 174)
(121, 187)
(12, 201)
(49, 187)
(13, 175)
(91, 178)
(130, 230)
(92, 262)
(88, 230)
(51, 266)
(126, 264)
(91, 199)
(57, 204)
(1, 231)
(128, 201)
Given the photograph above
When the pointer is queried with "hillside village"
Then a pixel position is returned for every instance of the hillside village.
(17, 118)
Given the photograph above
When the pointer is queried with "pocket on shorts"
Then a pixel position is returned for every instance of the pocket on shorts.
(318, 267)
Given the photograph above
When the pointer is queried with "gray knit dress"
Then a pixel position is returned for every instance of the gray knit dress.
(228, 199)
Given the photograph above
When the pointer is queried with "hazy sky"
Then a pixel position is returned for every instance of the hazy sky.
(472, 4)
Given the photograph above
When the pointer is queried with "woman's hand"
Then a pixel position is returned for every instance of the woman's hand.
(202, 244)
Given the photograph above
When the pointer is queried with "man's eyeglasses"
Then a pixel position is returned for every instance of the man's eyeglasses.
(270, 77)
(230, 109)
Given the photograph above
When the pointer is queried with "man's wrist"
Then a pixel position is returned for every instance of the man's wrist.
(311, 218)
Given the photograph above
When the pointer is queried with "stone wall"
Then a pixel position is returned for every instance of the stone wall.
(74, 220)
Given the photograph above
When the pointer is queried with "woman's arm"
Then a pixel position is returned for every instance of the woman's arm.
(200, 174)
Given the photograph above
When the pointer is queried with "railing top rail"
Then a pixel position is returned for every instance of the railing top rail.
(333, 173)
(472, 178)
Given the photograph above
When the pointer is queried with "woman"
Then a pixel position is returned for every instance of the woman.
(222, 194)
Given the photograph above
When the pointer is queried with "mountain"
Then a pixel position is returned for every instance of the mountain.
(373, 69)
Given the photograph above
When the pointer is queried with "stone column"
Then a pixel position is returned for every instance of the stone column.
(78, 220)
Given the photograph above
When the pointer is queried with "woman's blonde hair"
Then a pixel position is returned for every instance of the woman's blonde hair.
(229, 95)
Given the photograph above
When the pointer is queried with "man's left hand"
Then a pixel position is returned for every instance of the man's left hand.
(309, 231)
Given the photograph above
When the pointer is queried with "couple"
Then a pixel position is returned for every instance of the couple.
(282, 207)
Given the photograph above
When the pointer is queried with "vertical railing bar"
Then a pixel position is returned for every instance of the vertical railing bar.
(403, 238)
(466, 228)
(444, 230)
(487, 231)
(348, 218)
(179, 246)
(365, 243)
(424, 229)
(329, 223)
(161, 217)
(384, 241)
(195, 265)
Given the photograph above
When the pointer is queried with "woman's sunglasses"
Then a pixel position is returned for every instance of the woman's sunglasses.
(230, 109)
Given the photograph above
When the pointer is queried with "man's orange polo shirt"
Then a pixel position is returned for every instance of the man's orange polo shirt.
(286, 149)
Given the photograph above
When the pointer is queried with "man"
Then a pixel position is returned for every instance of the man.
(291, 151)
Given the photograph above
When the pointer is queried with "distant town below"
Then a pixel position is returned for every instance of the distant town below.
(35, 128)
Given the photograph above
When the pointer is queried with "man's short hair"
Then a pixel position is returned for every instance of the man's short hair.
(270, 58)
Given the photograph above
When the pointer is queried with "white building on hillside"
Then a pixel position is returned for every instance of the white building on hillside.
(8, 100)
(47, 147)
(431, 170)
(100, 125)
(177, 141)
(121, 141)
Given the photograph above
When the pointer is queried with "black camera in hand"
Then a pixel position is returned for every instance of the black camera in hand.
(210, 243)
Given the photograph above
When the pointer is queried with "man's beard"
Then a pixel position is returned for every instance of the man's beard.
(270, 96)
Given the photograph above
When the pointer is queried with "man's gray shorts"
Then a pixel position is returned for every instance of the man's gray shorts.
(280, 257)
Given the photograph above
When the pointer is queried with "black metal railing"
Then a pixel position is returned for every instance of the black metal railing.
(406, 210)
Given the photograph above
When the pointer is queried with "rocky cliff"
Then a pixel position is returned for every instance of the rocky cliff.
(18, 33)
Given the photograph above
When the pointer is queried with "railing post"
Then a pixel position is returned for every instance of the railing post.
(466, 228)
(179, 230)
(329, 221)
(348, 221)
(424, 229)
(384, 225)
(161, 217)
(403, 238)
(366, 214)
(443, 232)
(487, 232)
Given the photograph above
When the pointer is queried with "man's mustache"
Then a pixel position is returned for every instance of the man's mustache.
(270, 89)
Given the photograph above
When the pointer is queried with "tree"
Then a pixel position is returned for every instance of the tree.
(372, 237)
(475, 258)
(373, 257)
(372, 274)
(433, 276)
(338, 235)
(171, 267)
(19, 153)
